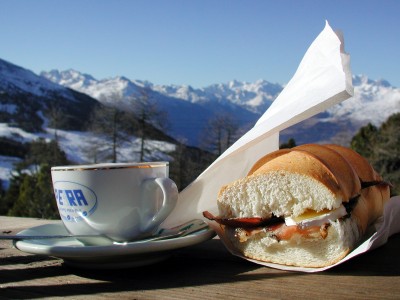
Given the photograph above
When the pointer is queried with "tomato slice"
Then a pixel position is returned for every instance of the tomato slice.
(244, 222)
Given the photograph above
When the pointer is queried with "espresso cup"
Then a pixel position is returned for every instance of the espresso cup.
(120, 201)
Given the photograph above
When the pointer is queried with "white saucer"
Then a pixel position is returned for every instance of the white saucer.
(114, 256)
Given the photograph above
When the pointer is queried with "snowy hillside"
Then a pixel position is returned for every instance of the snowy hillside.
(14, 79)
(28, 100)
(78, 146)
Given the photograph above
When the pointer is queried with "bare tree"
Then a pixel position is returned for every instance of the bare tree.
(148, 117)
(220, 133)
(56, 118)
(112, 123)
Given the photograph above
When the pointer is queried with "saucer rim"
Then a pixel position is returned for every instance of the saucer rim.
(79, 250)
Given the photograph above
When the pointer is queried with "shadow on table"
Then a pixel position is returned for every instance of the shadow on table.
(205, 264)
(192, 267)
(26, 259)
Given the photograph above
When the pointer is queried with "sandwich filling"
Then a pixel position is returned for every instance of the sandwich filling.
(309, 225)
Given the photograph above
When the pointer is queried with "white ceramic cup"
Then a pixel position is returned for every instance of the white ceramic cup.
(122, 201)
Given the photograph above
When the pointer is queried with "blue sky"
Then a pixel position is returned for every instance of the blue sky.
(193, 42)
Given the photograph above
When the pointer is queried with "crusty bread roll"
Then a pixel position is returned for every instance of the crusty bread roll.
(307, 206)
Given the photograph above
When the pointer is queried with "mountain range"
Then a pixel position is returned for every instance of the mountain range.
(190, 109)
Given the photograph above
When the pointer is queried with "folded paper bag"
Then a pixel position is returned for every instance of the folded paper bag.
(322, 79)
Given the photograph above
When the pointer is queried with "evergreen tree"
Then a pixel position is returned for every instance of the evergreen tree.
(381, 146)
(30, 193)
(386, 158)
(2, 202)
(35, 196)
(42, 152)
(363, 142)
(12, 193)
(289, 144)
(23, 205)
(45, 204)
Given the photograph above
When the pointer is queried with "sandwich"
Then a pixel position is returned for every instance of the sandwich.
(307, 206)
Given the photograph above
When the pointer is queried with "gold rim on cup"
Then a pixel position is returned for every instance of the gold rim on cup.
(111, 166)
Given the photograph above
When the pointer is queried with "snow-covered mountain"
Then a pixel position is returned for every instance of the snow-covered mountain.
(97, 89)
(189, 110)
(255, 97)
(374, 101)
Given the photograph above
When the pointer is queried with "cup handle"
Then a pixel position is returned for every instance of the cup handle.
(170, 198)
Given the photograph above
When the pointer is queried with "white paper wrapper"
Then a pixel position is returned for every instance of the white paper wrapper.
(322, 79)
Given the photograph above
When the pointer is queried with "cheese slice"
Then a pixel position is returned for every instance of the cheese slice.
(314, 218)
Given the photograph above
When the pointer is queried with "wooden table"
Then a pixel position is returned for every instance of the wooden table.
(203, 271)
